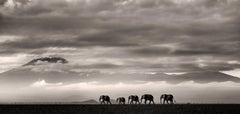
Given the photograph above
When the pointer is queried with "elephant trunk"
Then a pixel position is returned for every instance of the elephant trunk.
(141, 100)
(160, 100)
(117, 100)
(128, 99)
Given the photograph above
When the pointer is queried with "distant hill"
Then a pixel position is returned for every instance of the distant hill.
(199, 77)
(203, 77)
(91, 101)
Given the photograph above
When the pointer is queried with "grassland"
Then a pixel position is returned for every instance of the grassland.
(120, 109)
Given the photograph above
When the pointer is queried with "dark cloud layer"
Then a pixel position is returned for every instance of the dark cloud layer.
(183, 34)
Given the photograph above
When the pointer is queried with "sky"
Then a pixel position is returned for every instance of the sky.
(168, 36)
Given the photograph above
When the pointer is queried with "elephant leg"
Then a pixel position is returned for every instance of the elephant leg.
(153, 102)
(145, 101)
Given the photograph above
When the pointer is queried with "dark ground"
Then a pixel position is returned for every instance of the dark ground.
(121, 109)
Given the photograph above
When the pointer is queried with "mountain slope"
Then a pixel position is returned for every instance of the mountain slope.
(202, 77)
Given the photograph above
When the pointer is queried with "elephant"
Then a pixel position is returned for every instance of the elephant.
(167, 98)
(133, 98)
(147, 97)
(120, 100)
(104, 99)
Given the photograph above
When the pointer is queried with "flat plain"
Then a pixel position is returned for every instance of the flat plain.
(120, 109)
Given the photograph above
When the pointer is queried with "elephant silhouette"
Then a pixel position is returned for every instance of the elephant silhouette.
(133, 99)
(104, 99)
(147, 97)
(120, 100)
(168, 98)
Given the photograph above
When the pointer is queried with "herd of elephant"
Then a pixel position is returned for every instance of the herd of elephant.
(134, 99)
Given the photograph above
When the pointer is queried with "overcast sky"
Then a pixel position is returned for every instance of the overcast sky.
(122, 36)
(165, 35)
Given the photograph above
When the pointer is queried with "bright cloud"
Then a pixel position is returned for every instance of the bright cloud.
(43, 83)
(176, 73)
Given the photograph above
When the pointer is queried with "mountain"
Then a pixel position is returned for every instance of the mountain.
(201, 77)
(56, 69)
(50, 69)
(91, 101)
(47, 60)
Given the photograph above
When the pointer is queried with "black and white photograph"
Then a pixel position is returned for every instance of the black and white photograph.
(120, 56)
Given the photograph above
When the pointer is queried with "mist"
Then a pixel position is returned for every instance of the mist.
(185, 92)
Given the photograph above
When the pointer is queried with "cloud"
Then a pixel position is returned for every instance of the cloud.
(2, 2)
(167, 34)
(176, 73)
(233, 62)
(43, 83)
(11, 62)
